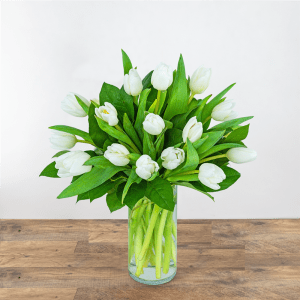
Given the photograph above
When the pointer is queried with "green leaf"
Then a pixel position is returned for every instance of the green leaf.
(199, 110)
(113, 132)
(194, 185)
(133, 178)
(99, 161)
(179, 177)
(238, 134)
(207, 110)
(75, 178)
(106, 144)
(91, 153)
(218, 148)
(152, 107)
(180, 121)
(135, 193)
(211, 139)
(97, 135)
(206, 125)
(129, 129)
(82, 104)
(101, 190)
(95, 103)
(90, 180)
(50, 171)
(159, 146)
(60, 153)
(83, 196)
(191, 162)
(72, 130)
(126, 62)
(173, 137)
(177, 103)
(163, 95)
(148, 147)
(230, 123)
(200, 142)
(141, 113)
(118, 98)
(113, 202)
(147, 80)
(160, 192)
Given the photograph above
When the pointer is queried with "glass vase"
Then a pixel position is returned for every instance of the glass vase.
(152, 242)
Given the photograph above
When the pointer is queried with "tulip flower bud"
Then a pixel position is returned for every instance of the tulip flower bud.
(71, 106)
(133, 83)
(172, 158)
(162, 77)
(241, 155)
(210, 175)
(223, 111)
(153, 124)
(200, 80)
(192, 130)
(107, 113)
(61, 140)
(117, 154)
(145, 167)
(71, 164)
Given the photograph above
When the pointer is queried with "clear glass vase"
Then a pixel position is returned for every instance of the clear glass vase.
(152, 242)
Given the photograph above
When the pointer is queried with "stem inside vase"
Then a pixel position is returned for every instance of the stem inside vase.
(152, 242)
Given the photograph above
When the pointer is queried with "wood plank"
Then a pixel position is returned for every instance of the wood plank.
(43, 230)
(37, 294)
(37, 247)
(87, 259)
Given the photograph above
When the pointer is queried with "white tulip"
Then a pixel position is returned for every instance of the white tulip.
(223, 111)
(133, 83)
(172, 158)
(153, 124)
(62, 140)
(210, 175)
(71, 164)
(192, 130)
(200, 80)
(71, 106)
(145, 167)
(241, 155)
(107, 113)
(117, 154)
(162, 77)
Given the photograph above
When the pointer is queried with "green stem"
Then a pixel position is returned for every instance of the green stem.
(168, 243)
(191, 97)
(188, 173)
(158, 246)
(226, 135)
(138, 241)
(207, 119)
(149, 232)
(85, 142)
(174, 252)
(131, 143)
(211, 158)
(157, 103)
(135, 100)
(174, 230)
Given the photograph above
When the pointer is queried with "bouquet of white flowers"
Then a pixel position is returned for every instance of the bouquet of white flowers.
(149, 136)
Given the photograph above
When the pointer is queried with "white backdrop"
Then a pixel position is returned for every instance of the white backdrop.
(51, 48)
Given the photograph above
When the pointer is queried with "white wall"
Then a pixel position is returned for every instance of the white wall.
(51, 48)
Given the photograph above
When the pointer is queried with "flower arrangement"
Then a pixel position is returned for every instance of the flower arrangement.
(149, 136)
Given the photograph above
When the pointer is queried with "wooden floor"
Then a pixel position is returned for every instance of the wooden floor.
(87, 259)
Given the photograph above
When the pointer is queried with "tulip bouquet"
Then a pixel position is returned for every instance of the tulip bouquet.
(150, 136)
